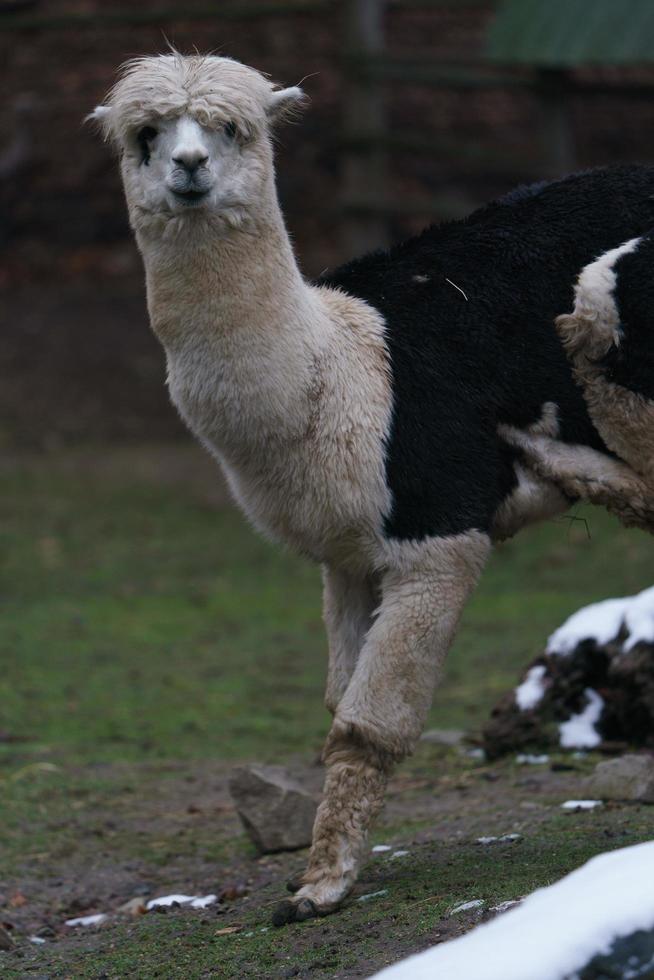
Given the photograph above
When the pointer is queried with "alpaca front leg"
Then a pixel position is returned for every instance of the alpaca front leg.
(379, 718)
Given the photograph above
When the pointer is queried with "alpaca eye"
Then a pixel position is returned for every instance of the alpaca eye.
(147, 133)
(144, 138)
(230, 130)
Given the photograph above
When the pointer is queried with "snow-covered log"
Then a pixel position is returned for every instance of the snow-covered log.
(598, 922)
(594, 683)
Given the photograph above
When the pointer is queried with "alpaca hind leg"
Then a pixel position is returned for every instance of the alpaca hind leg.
(349, 601)
(380, 716)
(584, 473)
(591, 334)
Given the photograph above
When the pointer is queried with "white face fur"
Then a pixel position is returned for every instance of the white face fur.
(194, 137)
(172, 165)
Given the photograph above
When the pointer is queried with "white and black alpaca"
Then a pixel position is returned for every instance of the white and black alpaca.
(609, 339)
(366, 419)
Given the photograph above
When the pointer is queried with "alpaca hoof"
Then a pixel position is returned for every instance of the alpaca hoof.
(295, 882)
(292, 911)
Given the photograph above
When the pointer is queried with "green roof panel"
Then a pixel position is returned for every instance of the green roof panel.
(565, 33)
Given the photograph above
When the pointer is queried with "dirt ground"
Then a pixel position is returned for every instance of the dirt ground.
(173, 828)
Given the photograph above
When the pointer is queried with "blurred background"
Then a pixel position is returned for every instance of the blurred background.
(139, 611)
(148, 638)
(420, 111)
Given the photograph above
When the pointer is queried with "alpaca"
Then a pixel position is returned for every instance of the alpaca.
(357, 417)
(610, 344)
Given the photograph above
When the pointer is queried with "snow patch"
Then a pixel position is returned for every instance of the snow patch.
(555, 931)
(202, 901)
(505, 839)
(37, 940)
(476, 903)
(579, 731)
(531, 691)
(603, 621)
(580, 804)
(526, 759)
(371, 895)
(87, 920)
(399, 854)
(380, 848)
(503, 906)
(194, 901)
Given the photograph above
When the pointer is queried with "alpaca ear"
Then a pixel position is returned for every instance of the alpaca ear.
(102, 114)
(285, 102)
(99, 114)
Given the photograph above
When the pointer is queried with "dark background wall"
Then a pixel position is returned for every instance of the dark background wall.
(409, 122)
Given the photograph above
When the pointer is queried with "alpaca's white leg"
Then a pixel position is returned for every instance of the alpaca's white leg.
(349, 601)
(379, 718)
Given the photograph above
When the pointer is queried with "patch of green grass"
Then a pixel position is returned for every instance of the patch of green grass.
(139, 622)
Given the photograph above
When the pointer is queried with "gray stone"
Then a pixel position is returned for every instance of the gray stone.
(631, 777)
(443, 736)
(276, 811)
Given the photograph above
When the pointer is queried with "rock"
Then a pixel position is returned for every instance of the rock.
(6, 942)
(443, 736)
(276, 811)
(630, 777)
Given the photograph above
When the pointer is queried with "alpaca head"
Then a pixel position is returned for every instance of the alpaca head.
(194, 136)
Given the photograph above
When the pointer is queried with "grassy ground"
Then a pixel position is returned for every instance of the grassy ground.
(149, 638)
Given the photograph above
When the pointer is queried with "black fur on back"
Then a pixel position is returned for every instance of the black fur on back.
(631, 364)
(462, 366)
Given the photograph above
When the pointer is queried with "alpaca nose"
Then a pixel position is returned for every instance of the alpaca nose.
(190, 158)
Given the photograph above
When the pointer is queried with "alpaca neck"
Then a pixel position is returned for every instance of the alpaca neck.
(241, 328)
(203, 281)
